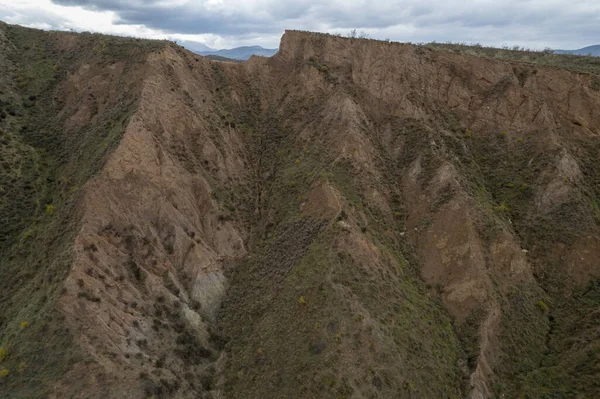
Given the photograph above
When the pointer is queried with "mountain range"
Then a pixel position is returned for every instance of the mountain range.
(589, 50)
(239, 53)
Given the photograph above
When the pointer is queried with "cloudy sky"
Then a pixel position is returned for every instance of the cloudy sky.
(231, 23)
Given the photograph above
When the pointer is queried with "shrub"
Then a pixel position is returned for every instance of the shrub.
(207, 381)
(2, 354)
(50, 209)
(22, 367)
(88, 296)
(138, 273)
(191, 350)
(595, 83)
(542, 305)
(4, 373)
(24, 325)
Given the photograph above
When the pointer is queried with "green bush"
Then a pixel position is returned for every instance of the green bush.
(542, 306)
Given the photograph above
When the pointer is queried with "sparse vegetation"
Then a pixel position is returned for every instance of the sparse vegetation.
(545, 58)
(39, 189)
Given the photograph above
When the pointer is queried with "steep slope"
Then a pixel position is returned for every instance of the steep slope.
(66, 99)
(349, 218)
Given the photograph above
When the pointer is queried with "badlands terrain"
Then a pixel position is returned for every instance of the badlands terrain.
(349, 218)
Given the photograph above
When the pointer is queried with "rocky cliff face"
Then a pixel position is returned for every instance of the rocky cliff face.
(348, 218)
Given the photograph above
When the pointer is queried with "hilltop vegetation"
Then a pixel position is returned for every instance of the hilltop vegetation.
(547, 58)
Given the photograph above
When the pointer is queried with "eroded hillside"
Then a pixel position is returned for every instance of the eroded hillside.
(349, 218)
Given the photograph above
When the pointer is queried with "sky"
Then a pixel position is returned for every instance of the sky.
(564, 24)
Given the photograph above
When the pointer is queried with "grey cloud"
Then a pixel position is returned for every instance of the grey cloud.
(31, 18)
(195, 18)
(490, 21)
(265, 16)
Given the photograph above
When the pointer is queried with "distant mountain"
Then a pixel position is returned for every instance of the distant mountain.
(196, 47)
(240, 53)
(590, 50)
